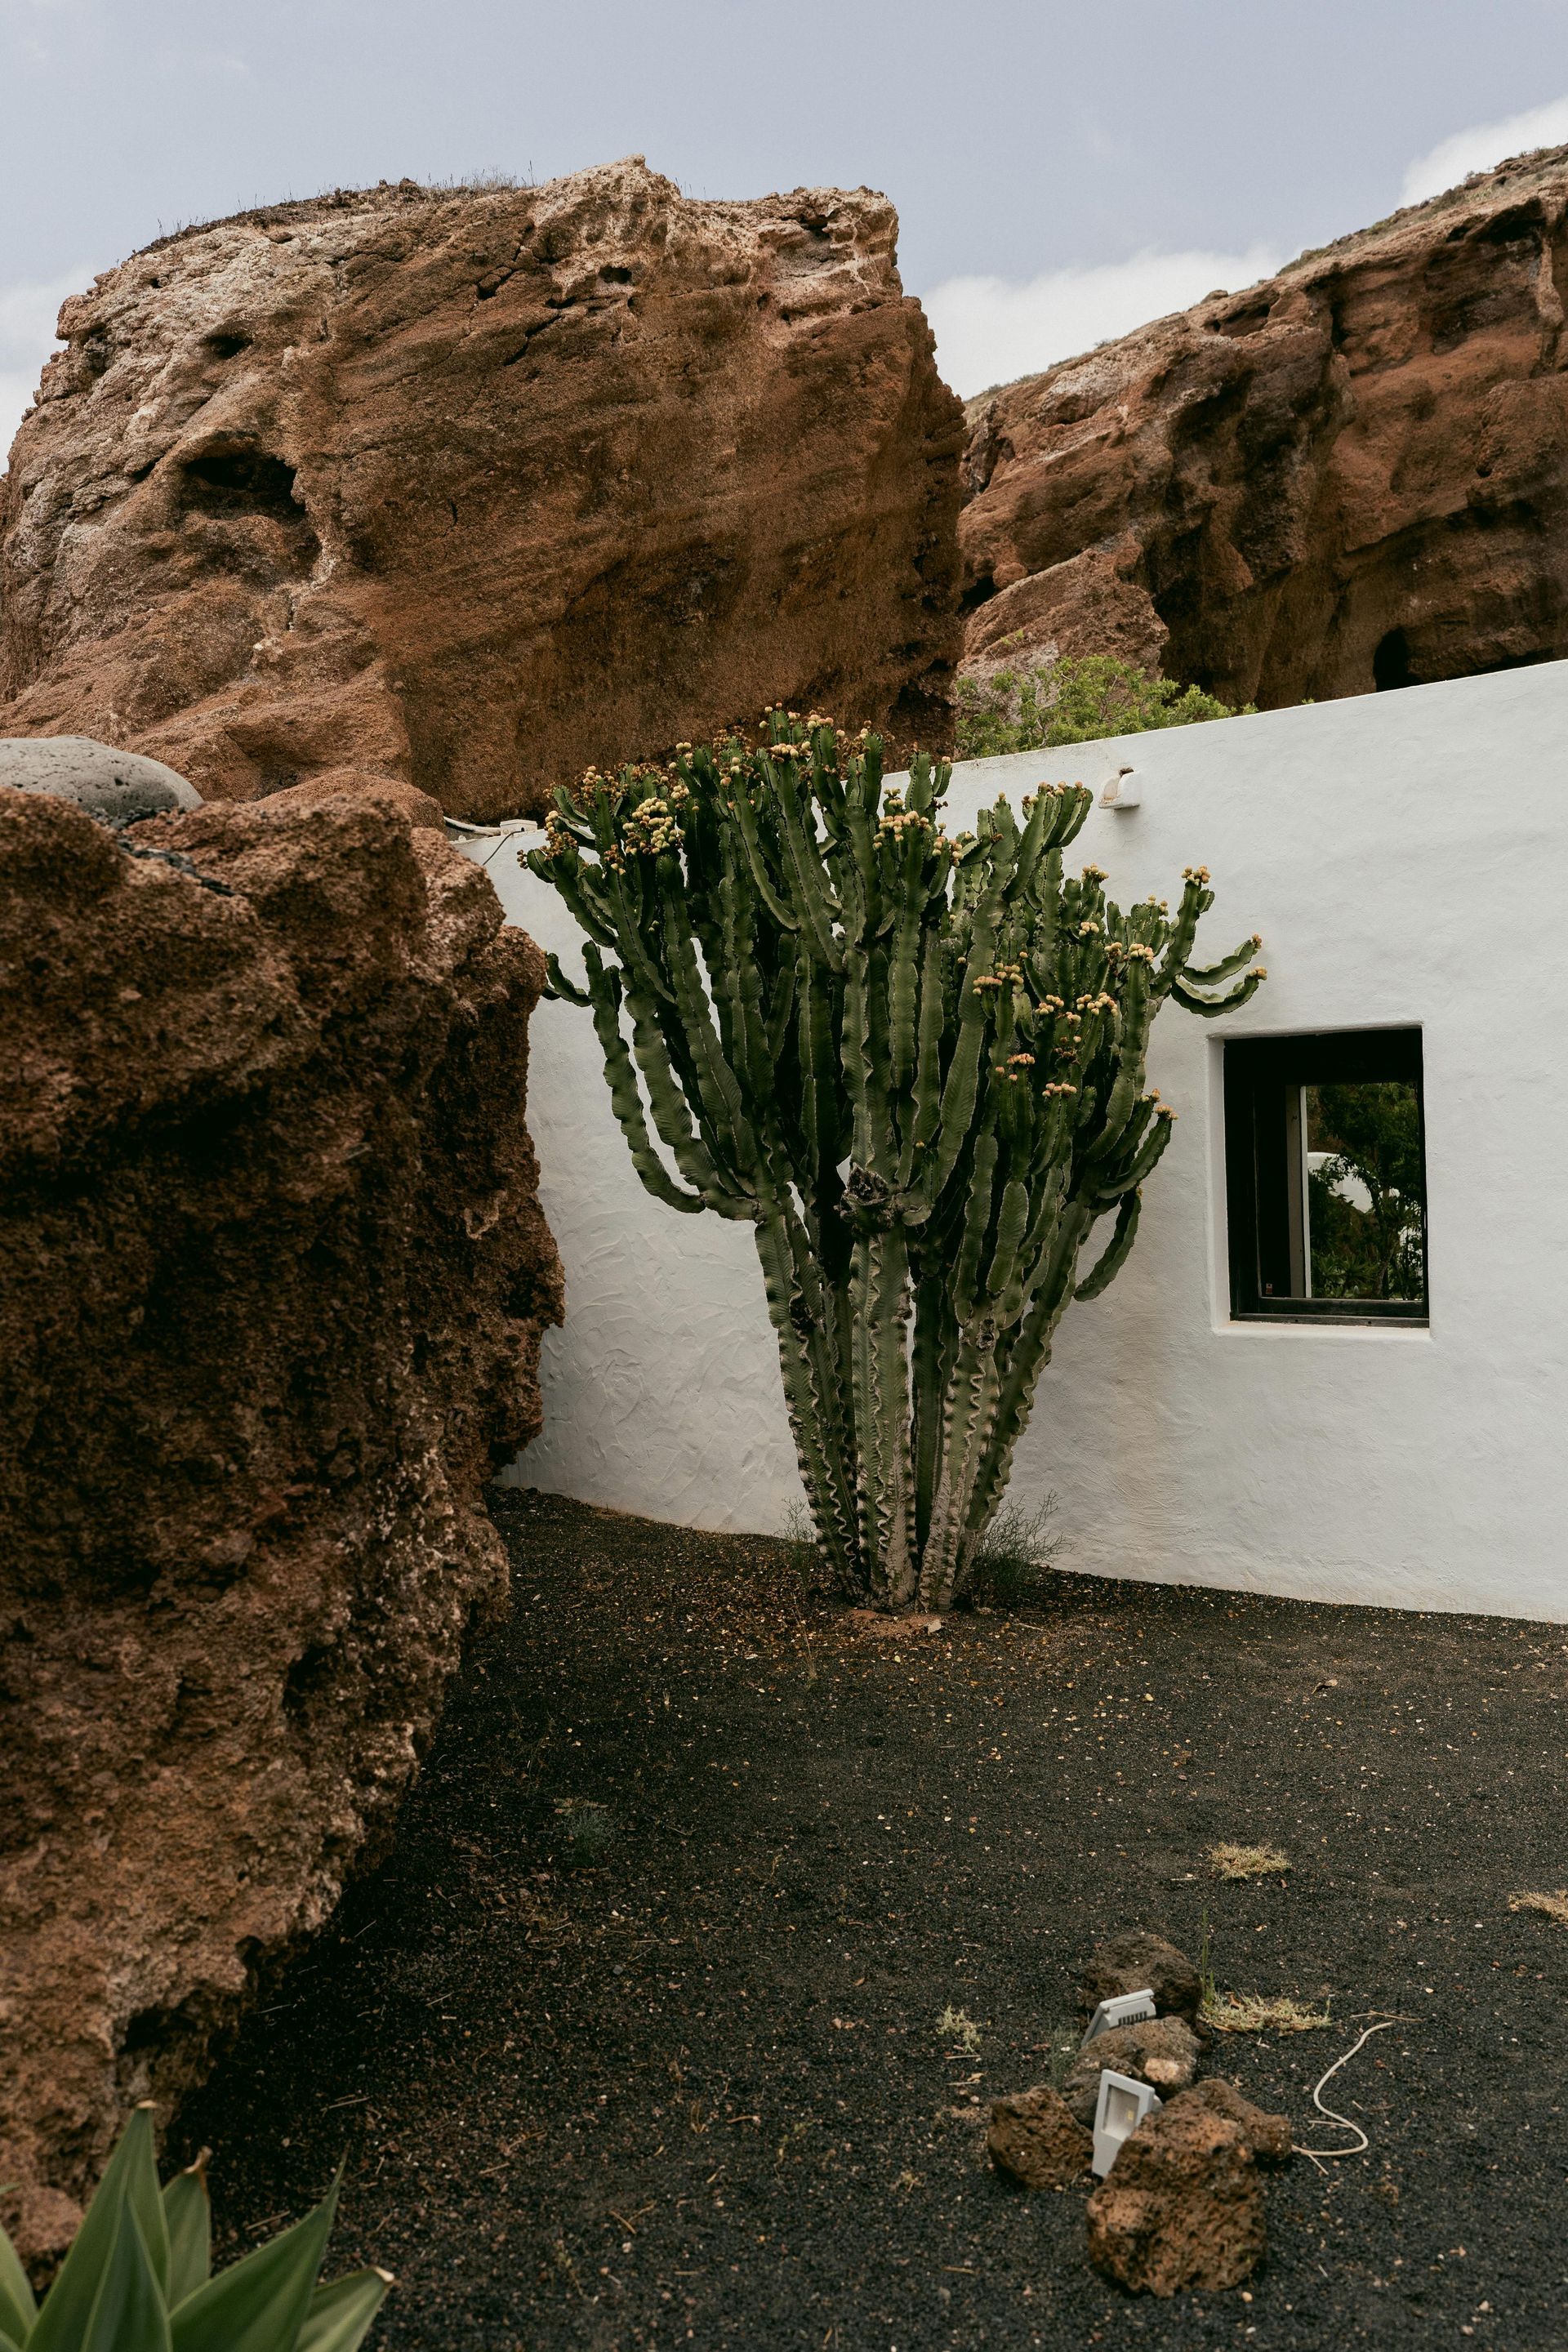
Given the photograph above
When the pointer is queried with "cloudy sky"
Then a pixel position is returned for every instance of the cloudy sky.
(1063, 170)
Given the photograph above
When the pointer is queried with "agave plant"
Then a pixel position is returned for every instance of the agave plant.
(139, 2277)
(914, 1064)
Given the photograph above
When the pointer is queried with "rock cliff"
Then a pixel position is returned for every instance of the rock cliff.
(472, 487)
(1354, 475)
(272, 1277)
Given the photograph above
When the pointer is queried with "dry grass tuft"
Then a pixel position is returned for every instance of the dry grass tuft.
(957, 2025)
(1248, 1861)
(1258, 2013)
(1554, 1906)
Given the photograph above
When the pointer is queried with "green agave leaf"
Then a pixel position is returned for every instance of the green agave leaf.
(339, 2314)
(17, 2309)
(188, 2212)
(131, 2176)
(129, 2313)
(8, 2343)
(260, 2305)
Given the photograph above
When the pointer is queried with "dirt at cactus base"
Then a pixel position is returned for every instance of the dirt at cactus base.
(634, 2040)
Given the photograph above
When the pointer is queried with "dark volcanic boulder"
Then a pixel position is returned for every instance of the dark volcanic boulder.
(1129, 1963)
(1163, 2050)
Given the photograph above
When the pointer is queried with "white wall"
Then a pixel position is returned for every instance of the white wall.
(1405, 859)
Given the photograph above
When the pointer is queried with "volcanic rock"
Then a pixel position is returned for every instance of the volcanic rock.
(272, 1278)
(1035, 2136)
(1181, 2206)
(1163, 2050)
(116, 787)
(1268, 2135)
(1137, 1961)
(1354, 475)
(474, 486)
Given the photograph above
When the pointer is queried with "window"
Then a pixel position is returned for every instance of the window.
(1326, 1176)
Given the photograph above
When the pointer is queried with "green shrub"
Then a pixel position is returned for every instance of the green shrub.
(1013, 1557)
(138, 2276)
(914, 1064)
(1074, 701)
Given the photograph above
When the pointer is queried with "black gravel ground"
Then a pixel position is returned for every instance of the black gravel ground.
(634, 2040)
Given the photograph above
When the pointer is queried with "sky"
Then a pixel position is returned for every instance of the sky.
(1062, 172)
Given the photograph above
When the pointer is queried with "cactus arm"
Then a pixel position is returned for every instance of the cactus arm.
(564, 990)
(1210, 975)
(1108, 1264)
(626, 1102)
(1207, 1006)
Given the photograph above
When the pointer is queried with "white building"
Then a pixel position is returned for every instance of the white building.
(1405, 857)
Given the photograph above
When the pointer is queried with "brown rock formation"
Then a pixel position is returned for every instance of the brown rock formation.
(1352, 475)
(1181, 2206)
(272, 1277)
(1034, 2137)
(1266, 2135)
(473, 488)
(1136, 1962)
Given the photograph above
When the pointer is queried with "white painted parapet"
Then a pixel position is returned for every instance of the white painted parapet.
(1406, 859)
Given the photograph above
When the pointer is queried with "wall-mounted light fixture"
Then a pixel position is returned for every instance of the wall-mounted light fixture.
(1121, 2107)
(1122, 2009)
(1122, 789)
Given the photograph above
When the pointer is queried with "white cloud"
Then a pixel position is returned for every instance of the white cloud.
(1481, 146)
(27, 314)
(990, 329)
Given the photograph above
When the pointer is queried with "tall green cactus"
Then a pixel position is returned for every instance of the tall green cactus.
(914, 1064)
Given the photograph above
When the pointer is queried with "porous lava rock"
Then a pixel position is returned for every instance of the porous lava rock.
(1354, 475)
(474, 486)
(1138, 1962)
(1035, 2138)
(1181, 2206)
(1268, 2135)
(1162, 2051)
(273, 1273)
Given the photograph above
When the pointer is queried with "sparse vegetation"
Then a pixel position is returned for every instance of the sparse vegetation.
(957, 2025)
(1015, 1554)
(1260, 2012)
(1551, 1907)
(587, 1829)
(1074, 699)
(1248, 1861)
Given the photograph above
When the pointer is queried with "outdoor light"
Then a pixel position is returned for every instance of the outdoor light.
(1122, 2105)
(1124, 2009)
(1122, 789)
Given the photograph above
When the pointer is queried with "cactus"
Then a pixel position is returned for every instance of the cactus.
(914, 1064)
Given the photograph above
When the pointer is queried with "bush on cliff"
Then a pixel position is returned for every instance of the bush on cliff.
(1077, 700)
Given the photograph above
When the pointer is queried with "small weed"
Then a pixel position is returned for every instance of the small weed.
(907, 2179)
(957, 2025)
(799, 1540)
(1248, 1861)
(586, 1828)
(1552, 1906)
(1259, 2012)
(1015, 1554)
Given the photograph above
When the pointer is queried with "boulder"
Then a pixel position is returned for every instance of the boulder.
(1130, 1963)
(1035, 2138)
(1268, 2135)
(474, 486)
(1352, 476)
(273, 1275)
(1181, 2206)
(1163, 2051)
(116, 787)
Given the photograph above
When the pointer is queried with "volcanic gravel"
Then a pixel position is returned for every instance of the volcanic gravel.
(649, 2028)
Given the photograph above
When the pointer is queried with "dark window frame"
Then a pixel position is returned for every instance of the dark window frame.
(1259, 1075)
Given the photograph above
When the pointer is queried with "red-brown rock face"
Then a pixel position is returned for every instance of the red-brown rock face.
(473, 489)
(1354, 475)
(272, 1277)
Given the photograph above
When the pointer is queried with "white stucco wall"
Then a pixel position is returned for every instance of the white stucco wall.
(1405, 859)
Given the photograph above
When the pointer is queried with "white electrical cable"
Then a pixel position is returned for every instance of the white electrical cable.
(1319, 2155)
